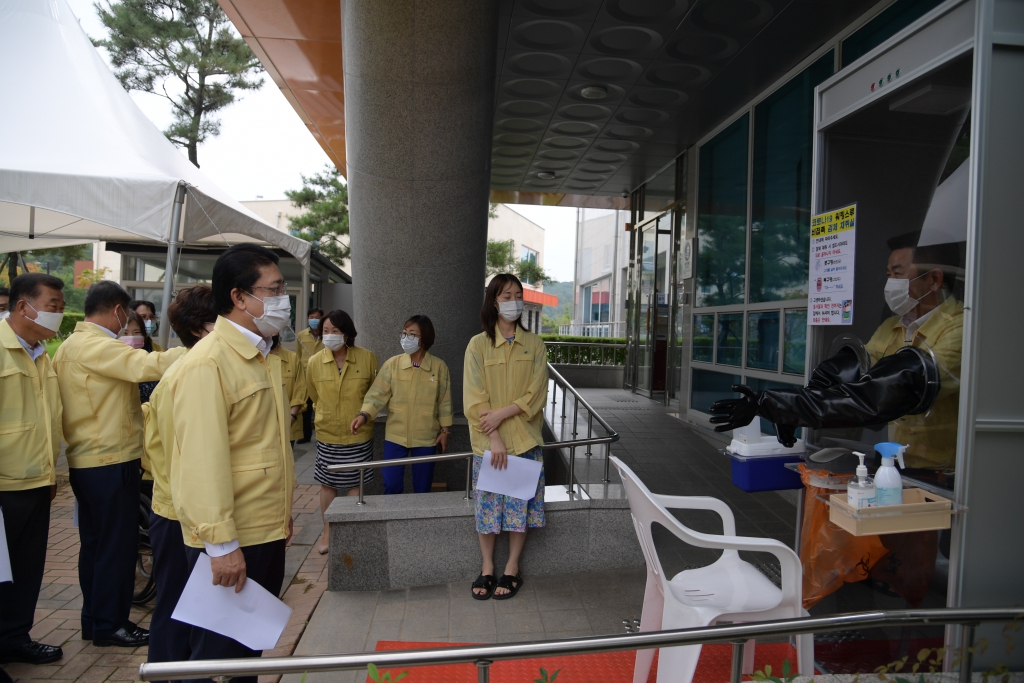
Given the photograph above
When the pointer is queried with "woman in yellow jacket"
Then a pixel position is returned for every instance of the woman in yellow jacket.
(338, 378)
(505, 385)
(416, 388)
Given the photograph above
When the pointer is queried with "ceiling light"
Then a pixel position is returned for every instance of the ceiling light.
(594, 92)
(545, 175)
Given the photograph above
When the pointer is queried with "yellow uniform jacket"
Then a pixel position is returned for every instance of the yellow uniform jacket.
(338, 396)
(419, 400)
(98, 377)
(293, 374)
(232, 474)
(159, 444)
(30, 416)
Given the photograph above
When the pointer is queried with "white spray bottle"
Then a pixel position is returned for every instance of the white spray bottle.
(860, 492)
(888, 482)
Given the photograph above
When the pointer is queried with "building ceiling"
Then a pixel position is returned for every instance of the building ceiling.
(592, 97)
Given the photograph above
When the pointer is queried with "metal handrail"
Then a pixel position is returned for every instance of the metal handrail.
(611, 437)
(485, 655)
(594, 344)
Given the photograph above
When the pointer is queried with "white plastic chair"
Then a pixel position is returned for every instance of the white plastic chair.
(731, 589)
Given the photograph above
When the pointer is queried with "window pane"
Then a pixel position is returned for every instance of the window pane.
(781, 196)
(703, 338)
(730, 338)
(764, 385)
(895, 18)
(709, 387)
(660, 191)
(796, 341)
(722, 217)
(763, 340)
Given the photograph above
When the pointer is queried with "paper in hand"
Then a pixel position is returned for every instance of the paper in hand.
(5, 559)
(519, 480)
(253, 617)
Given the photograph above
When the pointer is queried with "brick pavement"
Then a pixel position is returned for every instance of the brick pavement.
(57, 620)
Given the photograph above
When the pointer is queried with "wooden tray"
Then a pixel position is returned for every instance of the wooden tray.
(921, 511)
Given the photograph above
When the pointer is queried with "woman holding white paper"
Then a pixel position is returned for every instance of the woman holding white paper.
(505, 386)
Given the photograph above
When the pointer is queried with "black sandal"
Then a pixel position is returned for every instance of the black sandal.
(506, 582)
(485, 581)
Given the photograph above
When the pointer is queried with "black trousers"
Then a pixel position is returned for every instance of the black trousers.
(307, 420)
(108, 526)
(264, 564)
(27, 525)
(168, 639)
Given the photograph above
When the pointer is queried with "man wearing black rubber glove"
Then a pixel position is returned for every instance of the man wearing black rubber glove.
(917, 364)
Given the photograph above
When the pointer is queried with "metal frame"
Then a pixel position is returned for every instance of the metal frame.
(484, 655)
(611, 436)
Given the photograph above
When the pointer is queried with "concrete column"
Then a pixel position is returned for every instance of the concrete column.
(419, 97)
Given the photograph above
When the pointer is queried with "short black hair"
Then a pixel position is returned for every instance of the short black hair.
(426, 330)
(4, 291)
(945, 257)
(315, 310)
(29, 286)
(238, 268)
(105, 296)
(139, 302)
(191, 309)
(343, 321)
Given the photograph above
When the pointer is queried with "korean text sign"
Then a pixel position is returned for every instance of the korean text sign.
(833, 253)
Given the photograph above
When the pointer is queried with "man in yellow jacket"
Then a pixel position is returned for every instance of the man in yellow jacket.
(232, 474)
(30, 414)
(102, 420)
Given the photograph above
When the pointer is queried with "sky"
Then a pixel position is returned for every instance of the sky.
(264, 149)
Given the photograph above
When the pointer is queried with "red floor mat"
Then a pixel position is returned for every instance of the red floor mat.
(612, 667)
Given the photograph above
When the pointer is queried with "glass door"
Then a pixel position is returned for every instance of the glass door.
(654, 259)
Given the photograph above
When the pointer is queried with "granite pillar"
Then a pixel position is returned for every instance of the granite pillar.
(419, 92)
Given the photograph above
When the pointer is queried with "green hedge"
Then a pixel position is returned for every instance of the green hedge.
(582, 340)
(67, 325)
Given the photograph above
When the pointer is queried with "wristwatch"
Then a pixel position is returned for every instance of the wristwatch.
(445, 430)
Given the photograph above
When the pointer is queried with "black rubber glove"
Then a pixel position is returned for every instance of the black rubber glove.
(840, 368)
(905, 383)
(733, 413)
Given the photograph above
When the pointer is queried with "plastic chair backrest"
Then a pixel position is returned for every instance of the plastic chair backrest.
(645, 511)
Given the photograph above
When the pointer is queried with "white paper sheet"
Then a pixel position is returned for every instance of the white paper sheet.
(5, 558)
(519, 480)
(253, 617)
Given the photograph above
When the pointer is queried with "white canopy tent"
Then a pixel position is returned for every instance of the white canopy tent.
(79, 162)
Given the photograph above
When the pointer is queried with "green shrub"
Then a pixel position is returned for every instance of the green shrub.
(67, 325)
(582, 340)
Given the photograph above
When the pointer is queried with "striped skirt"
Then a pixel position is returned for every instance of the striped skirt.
(337, 454)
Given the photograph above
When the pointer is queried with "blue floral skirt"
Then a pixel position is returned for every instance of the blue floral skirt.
(496, 513)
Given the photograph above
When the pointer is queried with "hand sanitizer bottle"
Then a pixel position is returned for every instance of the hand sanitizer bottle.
(888, 481)
(860, 492)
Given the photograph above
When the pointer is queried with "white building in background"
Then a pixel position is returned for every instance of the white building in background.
(602, 262)
(529, 246)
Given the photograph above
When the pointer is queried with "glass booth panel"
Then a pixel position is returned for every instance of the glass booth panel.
(729, 339)
(708, 387)
(794, 351)
(722, 217)
(704, 338)
(763, 340)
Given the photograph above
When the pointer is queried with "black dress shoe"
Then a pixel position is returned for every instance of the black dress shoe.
(33, 653)
(128, 635)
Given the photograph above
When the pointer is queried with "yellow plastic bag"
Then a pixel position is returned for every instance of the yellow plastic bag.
(830, 555)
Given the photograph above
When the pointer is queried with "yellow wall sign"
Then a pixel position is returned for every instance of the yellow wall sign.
(834, 221)
(833, 253)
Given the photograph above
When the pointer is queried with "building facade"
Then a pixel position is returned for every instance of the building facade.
(528, 245)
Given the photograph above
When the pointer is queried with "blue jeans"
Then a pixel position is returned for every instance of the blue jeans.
(422, 475)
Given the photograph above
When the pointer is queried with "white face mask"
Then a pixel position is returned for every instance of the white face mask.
(511, 310)
(150, 327)
(4, 315)
(277, 313)
(410, 344)
(50, 321)
(897, 295)
(334, 341)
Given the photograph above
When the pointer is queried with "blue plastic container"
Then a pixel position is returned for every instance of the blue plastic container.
(765, 472)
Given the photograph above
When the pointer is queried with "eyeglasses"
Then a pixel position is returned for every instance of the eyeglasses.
(406, 335)
(280, 290)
